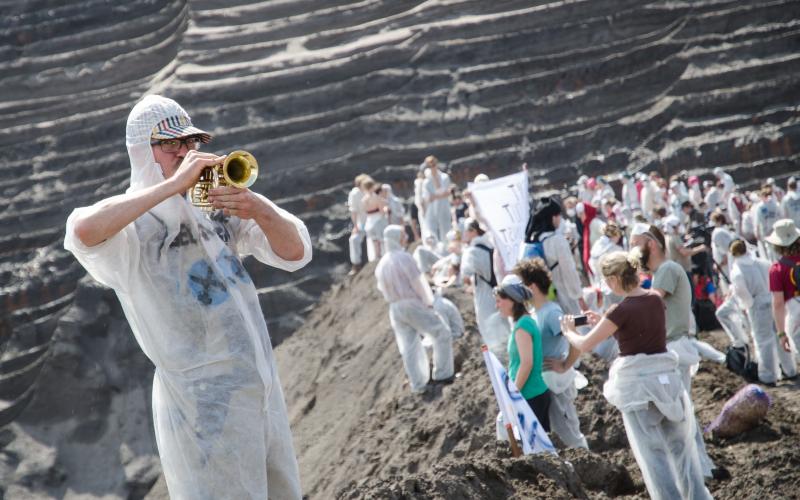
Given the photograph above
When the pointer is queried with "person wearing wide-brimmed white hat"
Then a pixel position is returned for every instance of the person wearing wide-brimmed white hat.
(784, 283)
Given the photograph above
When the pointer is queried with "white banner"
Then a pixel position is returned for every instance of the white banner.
(515, 409)
(503, 205)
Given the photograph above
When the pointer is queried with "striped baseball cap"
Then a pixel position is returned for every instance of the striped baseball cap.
(177, 126)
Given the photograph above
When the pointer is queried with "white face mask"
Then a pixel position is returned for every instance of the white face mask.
(571, 212)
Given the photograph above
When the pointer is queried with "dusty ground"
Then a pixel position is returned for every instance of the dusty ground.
(360, 433)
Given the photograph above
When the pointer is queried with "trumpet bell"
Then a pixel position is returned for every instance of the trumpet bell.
(239, 169)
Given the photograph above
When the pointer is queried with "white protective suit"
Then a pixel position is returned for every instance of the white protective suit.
(450, 314)
(766, 214)
(411, 314)
(565, 275)
(356, 239)
(396, 208)
(728, 313)
(750, 284)
(688, 364)
(659, 423)
(790, 206)
(477, 264)
(437, 212)
(630, 196)
(218, 409)
(419, 201)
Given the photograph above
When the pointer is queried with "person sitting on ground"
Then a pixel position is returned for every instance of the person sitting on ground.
(559, 375)
(411, 314)
(784, 283)
(525, 355)
(644, 383)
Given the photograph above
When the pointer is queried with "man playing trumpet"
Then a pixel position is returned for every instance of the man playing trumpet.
(219, 413)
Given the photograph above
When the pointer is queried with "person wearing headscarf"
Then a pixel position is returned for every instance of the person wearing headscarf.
(592, 230)
(525, 355)
(557, 254)
(218, 409)
(558, 374)
(412, 315)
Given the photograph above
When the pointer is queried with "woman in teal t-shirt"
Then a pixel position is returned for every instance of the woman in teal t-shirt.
(524, 349)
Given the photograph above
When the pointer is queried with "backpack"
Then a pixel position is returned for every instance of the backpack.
(794, 273)
(738, 360)
(492, 281)
(536, 249)
(705, 315)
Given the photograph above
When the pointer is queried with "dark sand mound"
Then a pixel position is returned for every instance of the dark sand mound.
(360, 433)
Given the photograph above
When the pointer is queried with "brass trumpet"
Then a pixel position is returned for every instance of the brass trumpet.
(239, 169)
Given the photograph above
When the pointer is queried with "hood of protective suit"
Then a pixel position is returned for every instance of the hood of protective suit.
(392, 236)
(144, 120)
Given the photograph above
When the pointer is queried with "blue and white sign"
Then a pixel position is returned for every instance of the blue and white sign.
(515, 409)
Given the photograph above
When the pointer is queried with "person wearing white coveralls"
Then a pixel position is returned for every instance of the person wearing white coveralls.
(543, 227)
(559, 357)
(436, 198)
(670, 281)
(644, 384)
(729, 314)
(476, 269)
(358, 217)
(411, 313)
(750, 287)
(218, 409)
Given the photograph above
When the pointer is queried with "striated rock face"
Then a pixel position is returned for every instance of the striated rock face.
(321, 91)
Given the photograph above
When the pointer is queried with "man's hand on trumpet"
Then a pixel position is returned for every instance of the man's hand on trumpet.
(241, 203)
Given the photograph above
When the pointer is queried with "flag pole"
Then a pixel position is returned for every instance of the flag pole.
(513, 441)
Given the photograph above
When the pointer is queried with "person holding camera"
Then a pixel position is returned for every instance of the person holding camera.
(644, 383)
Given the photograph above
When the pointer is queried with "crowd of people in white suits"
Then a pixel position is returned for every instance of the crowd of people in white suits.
(698, 253)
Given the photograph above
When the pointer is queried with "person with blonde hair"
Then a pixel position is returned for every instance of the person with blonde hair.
(644, 383)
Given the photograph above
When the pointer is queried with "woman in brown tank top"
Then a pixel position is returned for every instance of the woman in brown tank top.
(644, 383)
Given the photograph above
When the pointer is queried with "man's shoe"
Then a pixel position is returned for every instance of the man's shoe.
(354, 270)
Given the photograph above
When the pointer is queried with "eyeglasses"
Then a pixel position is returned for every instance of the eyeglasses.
(174, 145)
